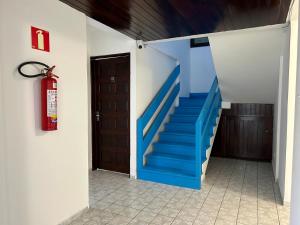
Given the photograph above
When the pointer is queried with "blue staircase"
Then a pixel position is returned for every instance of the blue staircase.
(176, 157)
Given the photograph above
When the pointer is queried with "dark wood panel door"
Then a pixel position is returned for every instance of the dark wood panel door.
(111, 112)
(245, 137)
(245, 131)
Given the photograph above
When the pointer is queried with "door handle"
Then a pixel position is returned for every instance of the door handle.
(98, 116)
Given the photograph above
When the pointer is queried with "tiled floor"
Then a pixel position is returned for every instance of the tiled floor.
(235, 192)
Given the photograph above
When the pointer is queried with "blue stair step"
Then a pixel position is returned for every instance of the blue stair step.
(171, 177)
(188, 110)
(182, 118)
(172, 162)
(173, 148)
(177, 137)
(186, 127)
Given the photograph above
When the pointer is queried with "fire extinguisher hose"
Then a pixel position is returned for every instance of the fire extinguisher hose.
(43, 70)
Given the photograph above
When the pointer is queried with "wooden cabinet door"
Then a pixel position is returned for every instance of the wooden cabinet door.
(246, 132)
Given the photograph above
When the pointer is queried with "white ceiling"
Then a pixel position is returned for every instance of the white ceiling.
(247, 64)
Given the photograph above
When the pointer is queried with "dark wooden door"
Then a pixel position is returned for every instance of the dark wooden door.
(245, 131)
(111, 112)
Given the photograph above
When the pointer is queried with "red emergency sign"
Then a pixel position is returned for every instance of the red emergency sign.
(40, 39)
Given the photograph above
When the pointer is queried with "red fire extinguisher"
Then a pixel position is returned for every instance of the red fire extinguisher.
(48, 94)
(49, 101)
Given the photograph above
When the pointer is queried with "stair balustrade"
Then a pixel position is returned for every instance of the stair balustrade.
(205, 123)
(144, 140)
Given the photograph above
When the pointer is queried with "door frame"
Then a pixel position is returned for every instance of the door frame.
(92, 105)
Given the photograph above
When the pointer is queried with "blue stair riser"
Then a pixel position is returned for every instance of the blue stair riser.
(184, 138)
(198, 95)
(207, 144)
(178, 180)
(191, 102)
(210, 132)
(174, 149)
(189, 128)
(205, 147)
(183, 118)
(188, 110)
(188, 166)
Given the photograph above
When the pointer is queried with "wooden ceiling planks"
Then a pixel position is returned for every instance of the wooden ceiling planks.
(160, 19)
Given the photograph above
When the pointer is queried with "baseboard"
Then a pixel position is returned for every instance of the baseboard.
(133, 177)
(281, 198)
(74, 217)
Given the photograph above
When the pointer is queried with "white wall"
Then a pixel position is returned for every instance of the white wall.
(153, 69)
(285, 182)
(3, 189)
(287, 126)
(280, 123)
(103, 40)
(285, 111)
(3, 185)
(202, 69)
(181, 51)
(47, 172)
(197, 66)
(295, 196)
(276, 128)
(247, 64)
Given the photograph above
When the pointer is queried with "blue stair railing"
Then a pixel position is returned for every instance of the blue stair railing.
(205, 123)
(145, 139)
